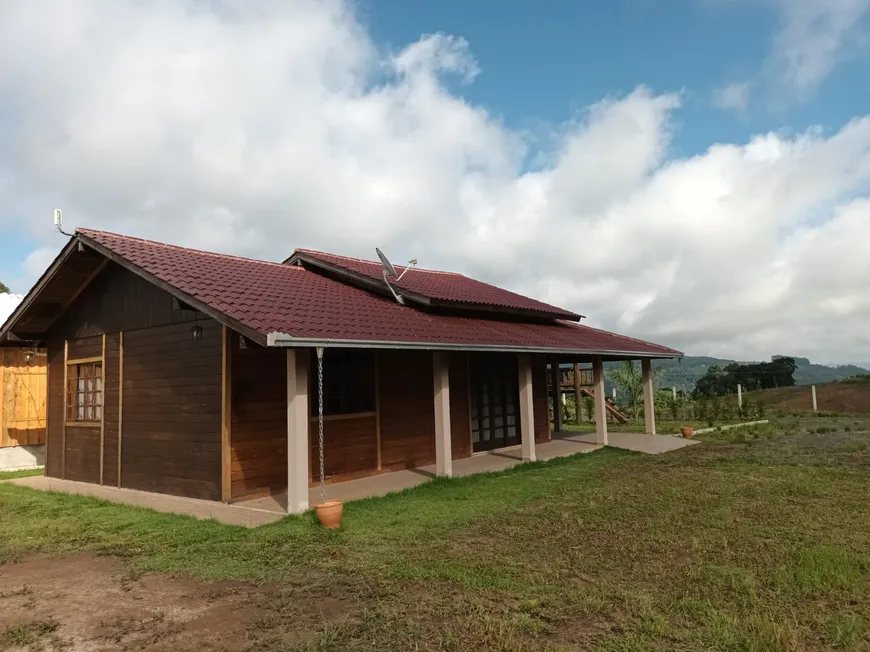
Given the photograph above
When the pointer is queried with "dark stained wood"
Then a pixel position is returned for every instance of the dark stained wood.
(111, 408)
(58, 291)
(407, 409)
(539, 399)
(85, 347)
(54, 409)
(258, 420)
(170, 446)
(82, 454)
(460, 414)
(118, 300)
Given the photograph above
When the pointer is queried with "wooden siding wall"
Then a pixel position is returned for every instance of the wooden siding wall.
(169, 401)
(81, 443)
(258, 430)
(54, 410)
(22, 398)
(171, 438)
(407, 409)
(539, 399)
(116, 301)
(350, 447)
(460, 408)
(111, 408)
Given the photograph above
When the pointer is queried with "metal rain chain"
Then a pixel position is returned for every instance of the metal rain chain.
(320, 422)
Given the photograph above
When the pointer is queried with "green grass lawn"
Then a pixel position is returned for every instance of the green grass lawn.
(757, 541)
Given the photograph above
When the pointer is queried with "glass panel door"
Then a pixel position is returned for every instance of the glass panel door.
(494, 402)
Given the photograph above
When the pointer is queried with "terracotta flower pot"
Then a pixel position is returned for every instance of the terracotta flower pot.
(329, 513)
(687, 431)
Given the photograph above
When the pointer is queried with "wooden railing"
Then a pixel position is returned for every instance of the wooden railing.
(566, 379)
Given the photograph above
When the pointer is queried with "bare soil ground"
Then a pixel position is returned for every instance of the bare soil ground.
(94, 603)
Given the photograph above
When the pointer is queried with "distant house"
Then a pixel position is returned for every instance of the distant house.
(192, 373)
(22, 400)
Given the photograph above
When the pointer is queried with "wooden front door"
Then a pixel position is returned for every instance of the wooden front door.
(495, 420)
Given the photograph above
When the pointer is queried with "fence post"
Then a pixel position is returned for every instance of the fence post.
(815, 403)
(739, 396)
(614, 392)
(675, 392)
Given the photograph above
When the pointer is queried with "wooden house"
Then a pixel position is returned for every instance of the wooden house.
(196, 374)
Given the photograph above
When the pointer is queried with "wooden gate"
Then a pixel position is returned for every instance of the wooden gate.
(22, 397)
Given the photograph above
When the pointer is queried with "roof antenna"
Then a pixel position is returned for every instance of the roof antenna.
(389, 270)
(58, 222)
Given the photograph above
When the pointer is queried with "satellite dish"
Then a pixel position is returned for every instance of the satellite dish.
(389, 270)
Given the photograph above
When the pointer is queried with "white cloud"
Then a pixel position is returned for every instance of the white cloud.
(258, 127)
(732, 96)
(815, 36)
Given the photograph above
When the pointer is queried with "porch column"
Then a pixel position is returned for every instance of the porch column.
(527, 408)
(443, 451)
(556, 382)
(297, 430)
(600, 402)
(578, 396)
(649, 412)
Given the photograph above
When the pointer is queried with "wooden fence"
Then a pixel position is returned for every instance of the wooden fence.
(22, 397)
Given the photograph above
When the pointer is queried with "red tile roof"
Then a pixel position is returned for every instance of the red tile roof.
(448, 287)
(290, 302)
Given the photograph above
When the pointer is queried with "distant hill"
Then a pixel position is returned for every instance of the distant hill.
(849, 396)
(683, 374)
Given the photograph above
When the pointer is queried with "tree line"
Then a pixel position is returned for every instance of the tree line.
(718, 381)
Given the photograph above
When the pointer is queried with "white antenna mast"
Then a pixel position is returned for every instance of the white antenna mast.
(58, 222)
(389, 270)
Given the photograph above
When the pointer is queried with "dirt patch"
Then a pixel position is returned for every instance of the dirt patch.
(86, 603)
(91, 603)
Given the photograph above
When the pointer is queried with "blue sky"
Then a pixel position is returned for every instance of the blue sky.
(693, 172)
(547, 61)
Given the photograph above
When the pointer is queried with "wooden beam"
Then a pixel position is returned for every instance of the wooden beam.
(103, 410)
(63, 422)
(120, 402)
(226, 416)
(92, 359)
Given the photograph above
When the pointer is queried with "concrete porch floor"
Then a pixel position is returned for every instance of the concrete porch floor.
(387, 483)
(260, 511)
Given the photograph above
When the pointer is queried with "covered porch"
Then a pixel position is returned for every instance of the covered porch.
(464, 426)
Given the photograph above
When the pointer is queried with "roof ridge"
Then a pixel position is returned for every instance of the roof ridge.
(87, 232)
(374, 262)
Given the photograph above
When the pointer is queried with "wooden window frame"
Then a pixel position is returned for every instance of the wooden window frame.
(96, 394)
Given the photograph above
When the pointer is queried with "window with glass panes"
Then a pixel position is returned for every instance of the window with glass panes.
(84, 392)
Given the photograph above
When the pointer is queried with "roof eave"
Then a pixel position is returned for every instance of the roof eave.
(276, 339)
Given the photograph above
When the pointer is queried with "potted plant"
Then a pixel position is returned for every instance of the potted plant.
(329, 513)
(687, 431)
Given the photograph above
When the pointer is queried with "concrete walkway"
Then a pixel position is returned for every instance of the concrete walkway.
(260, 511)
(640, 443)
(387, 483)
(201, 509)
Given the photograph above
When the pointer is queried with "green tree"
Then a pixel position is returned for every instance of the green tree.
(3, 288)
(628, 379)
